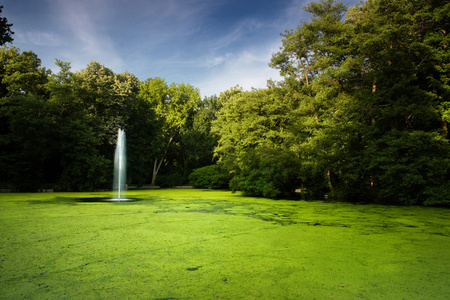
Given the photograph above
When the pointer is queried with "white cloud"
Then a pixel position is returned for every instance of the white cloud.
(214, 61)
(39, 38)
(82, 21)
(248, 69)
(164, 22)
(235, 35)
(160, 38)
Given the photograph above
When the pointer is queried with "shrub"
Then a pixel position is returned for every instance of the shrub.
(412, 168)
(209, 177)
(169, 180)
(268, 173)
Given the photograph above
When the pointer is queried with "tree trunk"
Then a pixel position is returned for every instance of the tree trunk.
(305, 71)
(445, 129)
(156, 165)
(330, 185)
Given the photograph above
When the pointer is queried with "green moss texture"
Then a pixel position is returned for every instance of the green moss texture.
(201, 244)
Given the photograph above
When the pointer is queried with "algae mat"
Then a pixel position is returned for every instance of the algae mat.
(194, 244)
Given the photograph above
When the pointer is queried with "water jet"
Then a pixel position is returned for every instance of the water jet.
(120, 173)
(120, 169)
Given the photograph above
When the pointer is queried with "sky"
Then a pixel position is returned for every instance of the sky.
(211, 44)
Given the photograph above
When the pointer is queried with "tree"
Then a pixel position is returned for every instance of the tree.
(25, 130)
(376, 81)
(26, 145)
(21, 73)
(59, 129)
(404, 106)
(108, 99)
(79, 163)
(142, 132)
(173, 105)
(254, 142)
(196, 139)
(5, 30)
(309, 60)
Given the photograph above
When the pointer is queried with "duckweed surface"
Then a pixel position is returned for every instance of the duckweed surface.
(195, 244)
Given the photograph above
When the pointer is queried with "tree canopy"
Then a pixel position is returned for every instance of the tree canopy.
(363, 106)
(361, 115)
(5, 30)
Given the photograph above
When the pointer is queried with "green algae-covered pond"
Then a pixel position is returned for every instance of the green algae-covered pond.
(195, 244)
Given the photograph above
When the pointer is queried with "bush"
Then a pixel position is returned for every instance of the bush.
(412, 168)
(169, 180)
(269, 173)
(209, 177)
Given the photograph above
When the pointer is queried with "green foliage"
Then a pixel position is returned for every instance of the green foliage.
(376, 86)
(21, 73)
(26, 145)
(409, 166)
(267, 173)
(175, 107)
(5, 30)
(83, 168)
(170, 180)
(197, 141)
(361, 115)
(254, 142)
(437, 195)
(172, 103)
(108, 100)
(58, 130)
(141, 131)
(210, 177)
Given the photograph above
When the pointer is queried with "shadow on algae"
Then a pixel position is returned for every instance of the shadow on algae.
(201, 244)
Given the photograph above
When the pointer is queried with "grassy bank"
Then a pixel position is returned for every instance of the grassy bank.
(192, 244)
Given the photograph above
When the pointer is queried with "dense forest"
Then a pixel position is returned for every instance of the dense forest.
(361, 115)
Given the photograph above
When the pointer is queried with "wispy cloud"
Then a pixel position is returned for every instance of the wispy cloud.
(39, 38)
(206, 43)
(248, 69)
(168, 21)
(83, 22)
(234, 35)
(248, 66)
(213, 61)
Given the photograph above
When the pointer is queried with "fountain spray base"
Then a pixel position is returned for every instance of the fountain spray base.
(108, 199)
(122, 199)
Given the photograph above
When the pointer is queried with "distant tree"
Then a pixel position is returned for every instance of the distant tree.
(173, 105)
(142, 133)
(21, 73)
(108, 99)
(59, 129)
(25, 129)
(78, 163)
(197, 142)
(377, 85)
(5, 30)
(26, 145)
(88, 107)
(255, 140)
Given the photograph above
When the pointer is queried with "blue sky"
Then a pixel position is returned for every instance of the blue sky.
(211, 44)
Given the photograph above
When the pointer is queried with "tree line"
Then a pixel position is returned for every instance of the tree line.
(361, 115)
(59, 130)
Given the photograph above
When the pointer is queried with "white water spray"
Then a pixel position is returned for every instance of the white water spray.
(120, 168)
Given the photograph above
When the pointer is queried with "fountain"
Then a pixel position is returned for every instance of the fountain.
(120, 173)
(120, 168)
